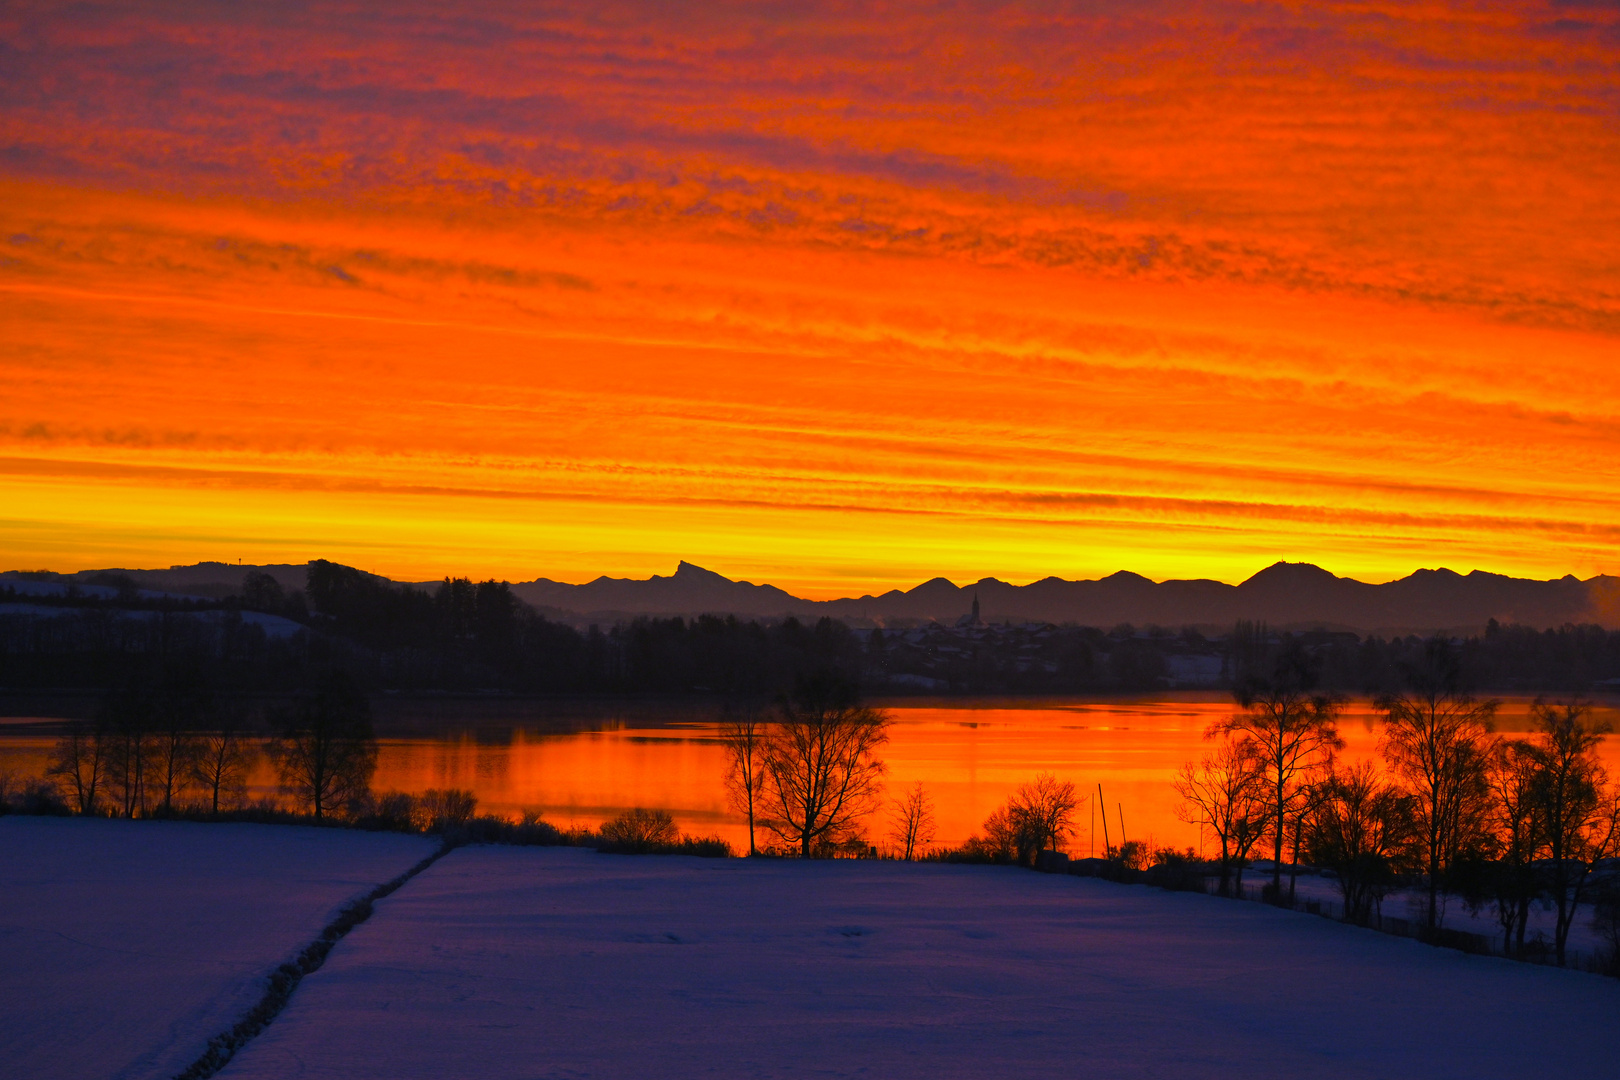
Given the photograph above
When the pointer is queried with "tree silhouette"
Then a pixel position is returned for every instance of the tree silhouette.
(1515, 822)
(1043, 811)
(79, 764)
(1226, 791)
(223, 759)
(181, 708)
(743, 734)
(1291, 732)
(1579, 819)
(327, 752)
(1359, 828)
(1436, 740)
(822, 773)
(127, 720)
(913, 823)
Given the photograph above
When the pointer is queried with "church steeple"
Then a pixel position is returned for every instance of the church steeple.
(975, 609)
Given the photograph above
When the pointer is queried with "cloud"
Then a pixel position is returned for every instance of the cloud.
(1196, 280)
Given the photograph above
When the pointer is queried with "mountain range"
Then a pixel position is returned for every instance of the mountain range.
(1284, 595)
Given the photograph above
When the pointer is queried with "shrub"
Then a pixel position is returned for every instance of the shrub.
(854, 846)
(527, 831)
(651, 832)
(1172, 859)
(1178, 870)
(433, 811)
(31, 796)
(640, 831)
(1132, 855)
(975, 850)
(391, 811)
(439, 811)
(704, 847)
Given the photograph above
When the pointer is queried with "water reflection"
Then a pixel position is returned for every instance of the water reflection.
(581, 767)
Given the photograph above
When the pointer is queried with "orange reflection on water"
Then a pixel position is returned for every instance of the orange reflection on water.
(969, 758)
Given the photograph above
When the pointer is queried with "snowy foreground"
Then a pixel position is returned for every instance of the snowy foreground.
(127, 945)
(535, 963)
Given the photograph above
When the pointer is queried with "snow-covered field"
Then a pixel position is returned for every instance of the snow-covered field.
(532, 963)
(125, 945)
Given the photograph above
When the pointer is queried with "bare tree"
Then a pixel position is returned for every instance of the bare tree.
(1516, 823)
(223, 760)
(1360, 828)
(1226, 791)
(1044, 811)
(127, 724)
(744, 736)
(1291, 732)
(822, 774)
(78, 765)
(180, 710)
(327, 752)
(913, 823)
(1436, 740)
(1578, 812)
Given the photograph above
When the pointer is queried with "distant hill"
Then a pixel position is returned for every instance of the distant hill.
(1284, 595)
(691, 590)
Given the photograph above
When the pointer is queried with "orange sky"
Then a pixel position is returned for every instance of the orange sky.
(835, 297)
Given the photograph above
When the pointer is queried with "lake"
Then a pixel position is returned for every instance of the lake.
(579, 763)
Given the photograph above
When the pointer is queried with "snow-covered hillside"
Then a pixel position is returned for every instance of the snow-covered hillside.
(127, 945)
(502, 962)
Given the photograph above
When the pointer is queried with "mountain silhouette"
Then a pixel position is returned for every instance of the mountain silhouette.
(1284, 594)
(691, 590)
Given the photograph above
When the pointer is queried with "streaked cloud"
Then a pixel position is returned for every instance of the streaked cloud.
(1011, 289)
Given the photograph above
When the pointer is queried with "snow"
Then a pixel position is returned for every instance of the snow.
(127, 945)
(1412, 905)
(274, 626)
(25, 586)
(510, 962)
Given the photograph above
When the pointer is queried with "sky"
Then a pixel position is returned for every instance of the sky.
(839, 297)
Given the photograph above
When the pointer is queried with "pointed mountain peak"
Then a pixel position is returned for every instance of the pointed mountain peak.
(686, 571)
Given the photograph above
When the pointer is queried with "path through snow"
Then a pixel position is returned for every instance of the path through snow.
(530, 963)
(128, 944)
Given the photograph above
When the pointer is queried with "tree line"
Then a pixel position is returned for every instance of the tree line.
(462, 635)
(156, 750)
(1495, 823)
(172, 750)
(477, 635)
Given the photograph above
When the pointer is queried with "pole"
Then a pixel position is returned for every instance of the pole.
(1091, 836)
(1106, 844)
(1121, 823)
